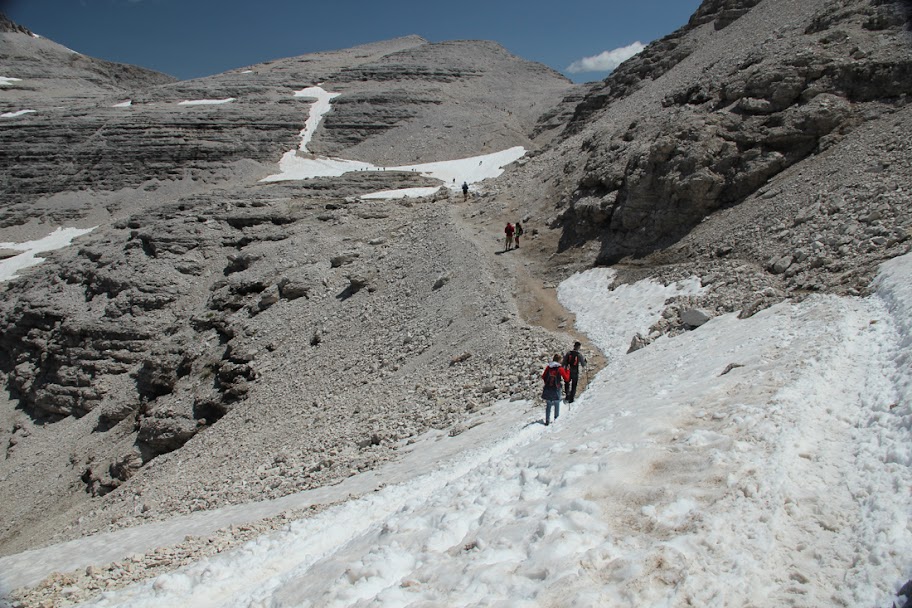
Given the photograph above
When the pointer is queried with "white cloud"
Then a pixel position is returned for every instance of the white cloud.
(606, 61)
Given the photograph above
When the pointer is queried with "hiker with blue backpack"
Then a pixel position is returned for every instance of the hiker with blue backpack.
(553, 376)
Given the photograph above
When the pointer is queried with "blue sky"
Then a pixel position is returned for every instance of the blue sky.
(192, 38)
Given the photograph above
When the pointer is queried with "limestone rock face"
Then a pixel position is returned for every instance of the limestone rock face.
(721, 13)
(715, 137)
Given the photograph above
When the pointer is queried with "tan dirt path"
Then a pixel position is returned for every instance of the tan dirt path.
(531, 268)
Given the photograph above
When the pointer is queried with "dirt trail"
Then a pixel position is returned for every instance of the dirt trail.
(531, 268)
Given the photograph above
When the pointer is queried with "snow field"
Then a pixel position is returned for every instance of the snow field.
(61, 237)
(206, 102)
(401, 193)
(269, 562)
(17, 113)
(293, 166)
(319, 108)
(784, 482)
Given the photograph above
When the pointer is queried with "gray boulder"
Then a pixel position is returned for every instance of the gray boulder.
(695, 317)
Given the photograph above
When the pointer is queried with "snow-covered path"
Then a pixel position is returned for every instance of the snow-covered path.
(783, 482)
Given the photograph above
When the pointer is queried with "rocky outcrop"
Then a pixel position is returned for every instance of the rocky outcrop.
(8, 26)
(721, 13)
(423, 95)
(717, 140)
(358, 117)
(655, 60)
(652, 62)
(61, 358)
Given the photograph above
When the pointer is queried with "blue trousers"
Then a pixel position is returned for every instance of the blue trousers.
(548, 405)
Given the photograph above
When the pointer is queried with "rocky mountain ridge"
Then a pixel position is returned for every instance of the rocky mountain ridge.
(151, 135)
(218, 340)
(716, 139)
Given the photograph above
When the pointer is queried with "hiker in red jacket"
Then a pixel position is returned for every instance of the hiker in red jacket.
(508, 231)
(553, 375)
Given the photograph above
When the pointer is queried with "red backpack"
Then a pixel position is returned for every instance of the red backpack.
(553, 377)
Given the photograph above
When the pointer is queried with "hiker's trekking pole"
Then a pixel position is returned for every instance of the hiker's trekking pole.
(587, 372)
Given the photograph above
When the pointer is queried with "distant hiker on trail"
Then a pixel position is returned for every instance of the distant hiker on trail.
(519, 233)
(508, 232)
(465, 191)
(552, 376)
(572, 361)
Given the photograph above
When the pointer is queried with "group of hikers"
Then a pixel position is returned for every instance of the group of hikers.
(512, 234)
(561, 373)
